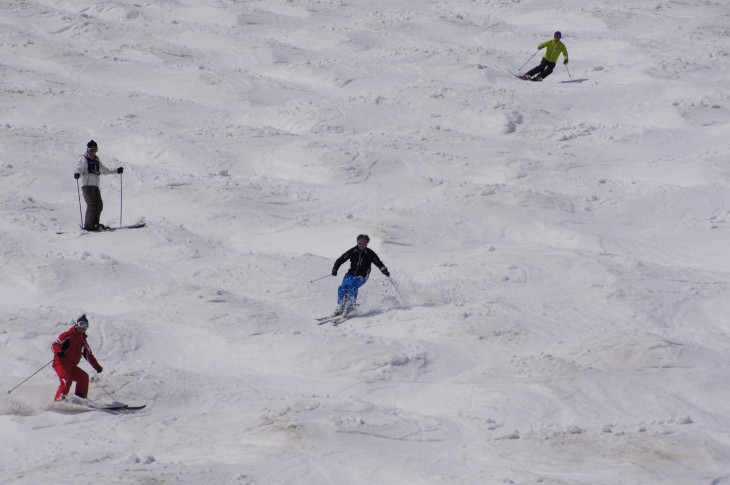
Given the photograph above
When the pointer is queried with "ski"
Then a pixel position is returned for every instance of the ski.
(342, 318)
(536, 79)
(78, 405)
(110, 407)
(328, 318)
(337, 318)
(110, 229)
(131, 226)
(334, 319)
(122, 407)
(331, 318)
(113, 408)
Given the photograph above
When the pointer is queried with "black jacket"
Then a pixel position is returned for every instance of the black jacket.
(360, 261)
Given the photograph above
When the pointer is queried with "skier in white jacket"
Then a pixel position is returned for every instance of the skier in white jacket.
(89, 170)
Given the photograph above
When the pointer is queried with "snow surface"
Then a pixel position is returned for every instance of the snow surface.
(561, 248)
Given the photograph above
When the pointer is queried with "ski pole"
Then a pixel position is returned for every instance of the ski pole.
(102, 387)
(78, 191)
(36, 372)
(528, 60)
(121, 190)
(566, 67)
(396, 288)
(323, 277)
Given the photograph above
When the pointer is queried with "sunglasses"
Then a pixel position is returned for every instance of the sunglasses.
(362, 243)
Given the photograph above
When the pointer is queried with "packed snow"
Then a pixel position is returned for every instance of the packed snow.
(558, 308)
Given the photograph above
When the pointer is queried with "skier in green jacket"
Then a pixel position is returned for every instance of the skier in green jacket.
(553, 50)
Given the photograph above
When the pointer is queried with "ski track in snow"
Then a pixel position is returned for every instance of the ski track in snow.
(559, 247)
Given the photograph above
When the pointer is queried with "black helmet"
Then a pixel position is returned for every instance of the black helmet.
(92, 144)
(557, 34)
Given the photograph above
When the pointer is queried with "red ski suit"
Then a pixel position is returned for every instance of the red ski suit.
(73, 343)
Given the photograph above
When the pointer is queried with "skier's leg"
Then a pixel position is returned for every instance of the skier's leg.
(347, 294)
(350, 292)
(99, 206)
(351, 297)
(94, 205)
(358, 281)
(343, 293)
(90, 207)
(65, 383)
(534, 70)
(549, 66)
(82, 382)
(537, 69)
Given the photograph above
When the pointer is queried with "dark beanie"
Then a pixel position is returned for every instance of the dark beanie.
(92, 144)
(554, 35)
(82, 318)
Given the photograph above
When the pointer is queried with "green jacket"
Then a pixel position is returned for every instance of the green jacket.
(554, 48)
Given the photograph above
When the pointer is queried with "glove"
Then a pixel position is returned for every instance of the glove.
(99, 369)
(77, 175)
(565, 61)
(385, 271)
(334, 272)
(61, 354)
(120, 170)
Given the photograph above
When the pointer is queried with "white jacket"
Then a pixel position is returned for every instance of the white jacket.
(89, 178)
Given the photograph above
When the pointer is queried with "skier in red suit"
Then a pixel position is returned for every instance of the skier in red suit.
(68, 349)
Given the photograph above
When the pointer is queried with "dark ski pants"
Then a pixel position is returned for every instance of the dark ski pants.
(94, 206)
(347, 292)
(69, 375)
(543, 70)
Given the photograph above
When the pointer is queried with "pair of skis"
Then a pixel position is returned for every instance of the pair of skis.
(131, 226)
(525, 78)
(334, 319)
(79, 405)
(118, 407)
(111, 229)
